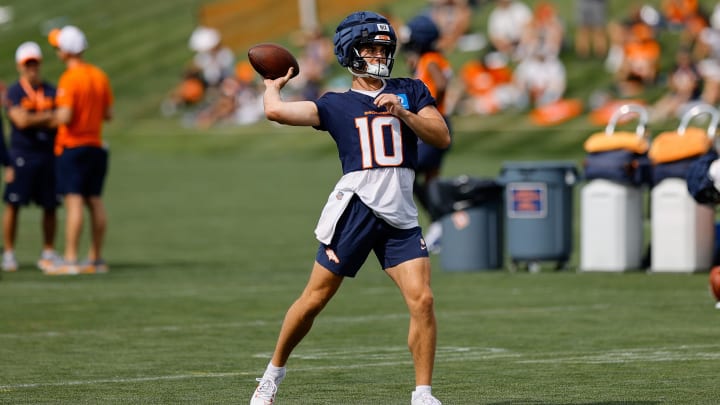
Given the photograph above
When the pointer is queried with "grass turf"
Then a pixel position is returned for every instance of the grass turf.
(209, 247)
(210, 240)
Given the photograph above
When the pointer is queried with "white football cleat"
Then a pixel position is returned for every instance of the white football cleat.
(424, 398)
(47, 259)
(264, 393)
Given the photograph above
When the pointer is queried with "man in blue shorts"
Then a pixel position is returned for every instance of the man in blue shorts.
(84, 102)
(30, 174)
(375, 125)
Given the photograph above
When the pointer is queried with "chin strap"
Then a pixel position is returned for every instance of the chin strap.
(377, 71)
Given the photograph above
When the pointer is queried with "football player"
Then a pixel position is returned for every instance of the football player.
(375, 124)
(429, 65)
(30, 174)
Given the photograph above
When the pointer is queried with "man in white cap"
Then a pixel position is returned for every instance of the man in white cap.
(214, 60)
(30, 172)
(84, 100)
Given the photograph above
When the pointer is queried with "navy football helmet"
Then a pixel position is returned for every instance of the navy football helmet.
(365, 28)
(422, 35)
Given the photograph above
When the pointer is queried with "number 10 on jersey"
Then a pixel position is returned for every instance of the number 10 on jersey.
(373, 133)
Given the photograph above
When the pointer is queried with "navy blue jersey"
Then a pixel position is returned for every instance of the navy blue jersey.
(367, 136)
(33, 139)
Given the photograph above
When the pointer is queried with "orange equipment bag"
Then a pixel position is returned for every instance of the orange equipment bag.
(619, 156)
(673, 151)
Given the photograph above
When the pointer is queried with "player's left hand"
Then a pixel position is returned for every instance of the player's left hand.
(391, 102)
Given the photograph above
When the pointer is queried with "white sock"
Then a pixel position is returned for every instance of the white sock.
(423, 388)
(274, 373)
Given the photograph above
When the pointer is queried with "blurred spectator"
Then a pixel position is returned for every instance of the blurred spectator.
(678, 12)
(201, 79)
(239, 102)
(506, 23)
(487, 83)
(694, 25)
(619, 32)
(707, 51)
(541, 79)
(452, 17)
(641, 60)
(634, 54)
(543, 33)
(29, 171)
(214, 60)
(314, 62)
(189, 92)
(249, 95)
(686, 16)
(84, 101)
(590, 36)
(684, 85)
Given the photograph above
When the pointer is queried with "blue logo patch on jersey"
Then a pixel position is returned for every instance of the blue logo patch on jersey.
(404, 101)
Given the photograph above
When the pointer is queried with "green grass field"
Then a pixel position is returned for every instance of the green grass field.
(210, 239)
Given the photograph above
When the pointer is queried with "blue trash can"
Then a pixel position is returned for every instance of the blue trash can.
(471, 220)
(539, 211)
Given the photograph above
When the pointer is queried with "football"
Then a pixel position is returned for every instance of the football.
(715, 282)
(272, 61)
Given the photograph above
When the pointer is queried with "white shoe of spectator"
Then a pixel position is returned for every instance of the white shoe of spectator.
(9, 262)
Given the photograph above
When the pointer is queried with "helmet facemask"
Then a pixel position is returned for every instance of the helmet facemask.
(361, 66)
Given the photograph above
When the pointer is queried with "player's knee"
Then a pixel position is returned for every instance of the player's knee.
(313, 302)
(423, 303)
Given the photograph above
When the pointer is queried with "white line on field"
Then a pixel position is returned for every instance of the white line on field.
(385, 356)
(122, 380)
(193, 376)
(636, 355)
(395, 356)
(322, 319)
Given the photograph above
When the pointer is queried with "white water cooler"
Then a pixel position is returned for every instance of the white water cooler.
(611, 226)
(683, 231)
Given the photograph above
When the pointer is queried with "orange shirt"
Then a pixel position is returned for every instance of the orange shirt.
(422, 73)
(85, 89)
(639, 51)
(676, 11)
(480, 80)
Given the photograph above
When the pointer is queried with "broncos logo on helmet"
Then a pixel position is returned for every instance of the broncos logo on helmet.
(365, 28)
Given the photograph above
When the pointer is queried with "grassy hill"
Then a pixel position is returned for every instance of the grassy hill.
(143, 47)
